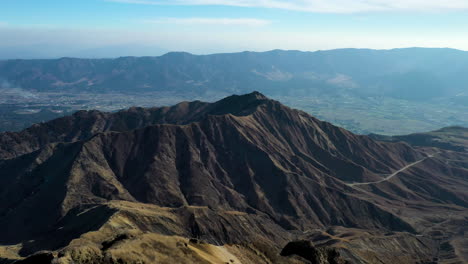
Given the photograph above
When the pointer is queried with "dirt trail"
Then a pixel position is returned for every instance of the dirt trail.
(393, 174)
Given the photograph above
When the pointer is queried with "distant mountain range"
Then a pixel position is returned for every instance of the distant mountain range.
(241, 180)
(415, 74)
(49, 51)
(368, 91)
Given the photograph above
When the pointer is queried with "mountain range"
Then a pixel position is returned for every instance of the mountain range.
(245, 179)
(387, 92)
(415, 74)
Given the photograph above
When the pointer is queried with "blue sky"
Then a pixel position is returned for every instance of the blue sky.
(103, 28)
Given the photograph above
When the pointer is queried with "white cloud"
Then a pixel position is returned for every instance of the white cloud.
(323, 6)
(210, 21)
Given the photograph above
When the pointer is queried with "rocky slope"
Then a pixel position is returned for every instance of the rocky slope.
(245, 174)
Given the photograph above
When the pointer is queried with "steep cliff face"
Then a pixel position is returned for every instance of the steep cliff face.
(280, 169)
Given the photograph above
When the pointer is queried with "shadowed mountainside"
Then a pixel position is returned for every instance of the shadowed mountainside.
(244, 171)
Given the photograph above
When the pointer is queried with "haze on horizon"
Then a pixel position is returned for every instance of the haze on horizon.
(113, 28)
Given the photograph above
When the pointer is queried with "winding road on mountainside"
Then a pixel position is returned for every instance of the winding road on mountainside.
(393, 174)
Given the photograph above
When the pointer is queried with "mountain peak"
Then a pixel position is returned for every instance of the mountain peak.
(239, 104)
(226, 180)
(253, 96)
(256, 94)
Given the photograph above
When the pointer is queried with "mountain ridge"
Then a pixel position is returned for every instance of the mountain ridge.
(453, 138)
(207, 166)
(337, 85)
(267, 70)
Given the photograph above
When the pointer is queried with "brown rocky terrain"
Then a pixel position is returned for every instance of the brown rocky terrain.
(237, 181)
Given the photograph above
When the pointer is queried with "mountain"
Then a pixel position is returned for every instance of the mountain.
(450, 138)
(387, 92)
(416, 74)
(49, 51)
(242, 180)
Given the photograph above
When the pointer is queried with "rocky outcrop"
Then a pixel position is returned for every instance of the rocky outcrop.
(306, 250)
